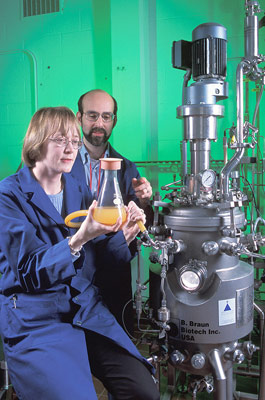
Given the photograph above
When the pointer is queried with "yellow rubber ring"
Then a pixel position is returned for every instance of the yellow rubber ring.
(75, 214)
(83, 213)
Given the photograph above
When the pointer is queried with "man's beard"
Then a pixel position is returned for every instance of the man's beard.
(96, 140)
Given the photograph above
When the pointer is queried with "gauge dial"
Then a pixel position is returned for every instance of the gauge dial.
(208, 177)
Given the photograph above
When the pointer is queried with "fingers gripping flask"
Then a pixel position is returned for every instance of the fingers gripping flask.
(110, 204)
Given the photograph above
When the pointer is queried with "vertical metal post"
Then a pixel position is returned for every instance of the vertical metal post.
(220, 382)
(262, 366)
(229, 384)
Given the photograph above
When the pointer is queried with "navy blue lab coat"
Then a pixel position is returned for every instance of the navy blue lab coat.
(114, 278)
(42, 325)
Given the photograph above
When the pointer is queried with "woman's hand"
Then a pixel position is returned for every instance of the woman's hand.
(90, 229)
(131, 228)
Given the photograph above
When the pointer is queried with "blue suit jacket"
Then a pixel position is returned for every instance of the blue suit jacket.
(39, 278)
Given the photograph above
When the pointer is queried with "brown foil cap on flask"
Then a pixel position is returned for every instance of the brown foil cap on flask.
(111, 164)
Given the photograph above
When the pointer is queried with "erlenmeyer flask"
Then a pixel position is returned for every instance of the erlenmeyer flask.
(110, 204)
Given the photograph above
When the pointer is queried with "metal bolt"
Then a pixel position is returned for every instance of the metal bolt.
(198, 360)
(177, 357)
(238, 357)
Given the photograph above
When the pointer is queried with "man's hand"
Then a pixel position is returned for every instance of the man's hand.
(143, 190)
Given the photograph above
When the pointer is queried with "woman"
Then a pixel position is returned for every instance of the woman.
(54, 327)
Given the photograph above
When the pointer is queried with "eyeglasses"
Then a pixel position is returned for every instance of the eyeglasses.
(94, 116)
(63, 142)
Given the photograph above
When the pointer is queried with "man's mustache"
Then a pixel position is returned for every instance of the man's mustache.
(95, 129)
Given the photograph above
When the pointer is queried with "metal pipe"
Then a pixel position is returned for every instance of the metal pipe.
(240, 100)
(257, 105)
(262, 367)
(251, 33)
(138, 297)
(225, 147)
(184, 160)
(247, 373)
(262, 358)
(228, 168)
(229, 384)
(253, 168)
(187, 77)
(235, 160)
(218, 374)
(256, 121)
(200, 155)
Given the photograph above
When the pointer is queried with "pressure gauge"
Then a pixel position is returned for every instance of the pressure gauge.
(207, 177)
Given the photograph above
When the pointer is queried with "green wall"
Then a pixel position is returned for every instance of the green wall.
(123, 47)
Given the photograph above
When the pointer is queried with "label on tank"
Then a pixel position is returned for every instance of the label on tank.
(190, 330)
(227, 311)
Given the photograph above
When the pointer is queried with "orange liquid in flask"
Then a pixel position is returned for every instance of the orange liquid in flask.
(109, 215)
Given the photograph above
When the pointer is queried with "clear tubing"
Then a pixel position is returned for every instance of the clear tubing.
(259, 219)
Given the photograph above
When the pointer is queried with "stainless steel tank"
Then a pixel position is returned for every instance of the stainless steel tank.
(203, 297)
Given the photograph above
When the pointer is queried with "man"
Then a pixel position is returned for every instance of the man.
(97, 115)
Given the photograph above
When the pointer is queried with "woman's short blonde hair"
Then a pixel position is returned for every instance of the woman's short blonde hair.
(45, 123)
